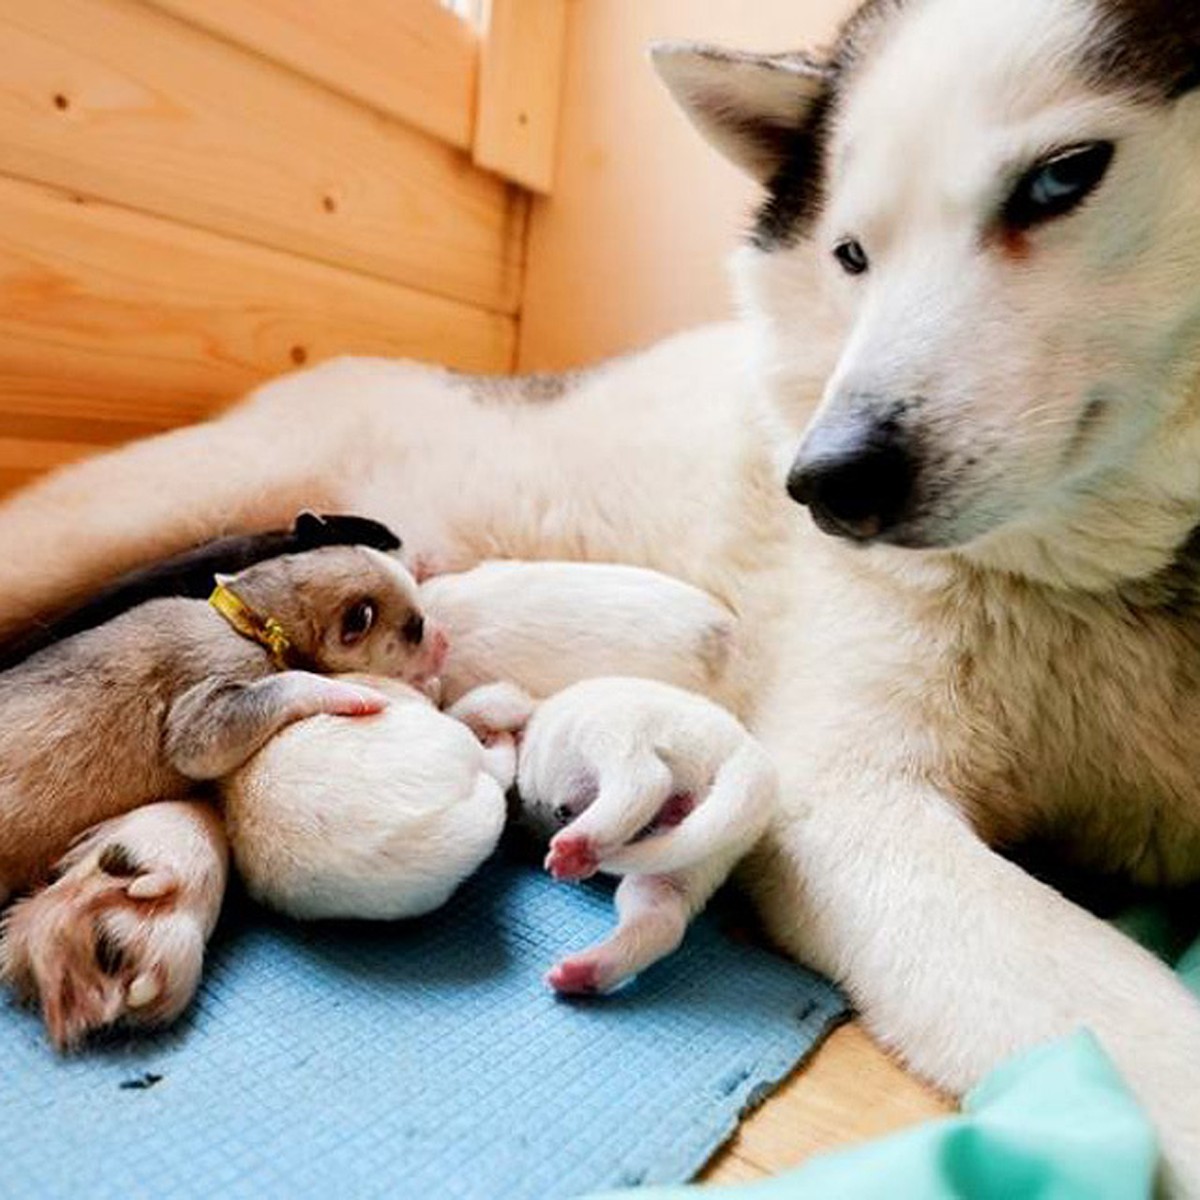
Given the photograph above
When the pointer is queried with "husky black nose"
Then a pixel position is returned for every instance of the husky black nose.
(856, 475)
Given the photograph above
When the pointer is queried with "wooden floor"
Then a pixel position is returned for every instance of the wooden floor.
(850, 1091)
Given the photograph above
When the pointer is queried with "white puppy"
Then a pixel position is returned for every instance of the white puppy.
(546, 625)
(382, 817)
(639, 779)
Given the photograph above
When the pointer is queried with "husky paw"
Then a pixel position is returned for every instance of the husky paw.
(119, 937)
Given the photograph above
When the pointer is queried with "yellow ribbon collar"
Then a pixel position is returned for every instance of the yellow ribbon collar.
(266, 631)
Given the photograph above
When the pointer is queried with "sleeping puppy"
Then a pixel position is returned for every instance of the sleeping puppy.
(546, 625)
(378, 818)
(384, 818)
(638, 779)
(171, 693)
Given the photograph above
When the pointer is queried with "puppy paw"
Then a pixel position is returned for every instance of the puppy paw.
(575, 977)
(572, 857)
(315, 694)
(119, 937)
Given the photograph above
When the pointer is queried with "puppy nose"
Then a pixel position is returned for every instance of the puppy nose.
(856, 475)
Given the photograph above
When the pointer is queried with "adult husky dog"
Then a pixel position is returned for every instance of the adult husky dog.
(980, 252)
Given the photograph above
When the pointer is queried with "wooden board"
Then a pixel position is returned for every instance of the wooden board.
(520, 83)
(114, 324)
(851, 1091)
(412, 59)
(117, 100)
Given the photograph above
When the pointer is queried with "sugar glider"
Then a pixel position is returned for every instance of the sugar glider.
(191, 574)
(171, 693)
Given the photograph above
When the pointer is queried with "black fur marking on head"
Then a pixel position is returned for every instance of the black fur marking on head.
(796, 193)
(192, 573)
(1151, 47)
(118, 861)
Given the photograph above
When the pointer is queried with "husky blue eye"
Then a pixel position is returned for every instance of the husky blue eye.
(1057, 185)
(850, 253)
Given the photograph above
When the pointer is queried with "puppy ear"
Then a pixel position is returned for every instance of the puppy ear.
(749, 106)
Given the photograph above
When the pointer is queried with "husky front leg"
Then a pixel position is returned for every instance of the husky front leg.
(958, 959)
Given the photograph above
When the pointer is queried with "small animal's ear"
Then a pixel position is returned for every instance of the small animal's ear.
(749, 106)
(308, 526)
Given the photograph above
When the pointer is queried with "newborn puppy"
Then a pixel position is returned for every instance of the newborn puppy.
(380, 818)
(170, 693)
(639, 779)
(546, 625)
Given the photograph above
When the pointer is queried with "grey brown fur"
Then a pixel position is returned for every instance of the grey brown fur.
(169, 693)
(538, 387)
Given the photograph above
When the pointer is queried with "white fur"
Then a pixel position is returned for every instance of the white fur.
(543, 626)
(598, 763)
(922, 707)
(379, 817)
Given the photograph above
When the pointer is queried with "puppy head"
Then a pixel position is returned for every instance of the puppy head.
(995, 210)
(348, 608)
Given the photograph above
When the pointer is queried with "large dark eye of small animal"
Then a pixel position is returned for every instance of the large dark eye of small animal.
(853, 258)
(357, 621)
(1057, 185)
(413, 630)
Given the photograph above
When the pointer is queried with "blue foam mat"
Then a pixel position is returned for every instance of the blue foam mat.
(425, 1059)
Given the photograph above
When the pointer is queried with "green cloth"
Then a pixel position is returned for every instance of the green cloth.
(1057, 1123)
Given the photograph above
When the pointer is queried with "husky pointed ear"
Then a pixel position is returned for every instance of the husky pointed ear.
(749, 106)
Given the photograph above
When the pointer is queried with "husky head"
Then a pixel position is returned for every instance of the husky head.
(998, 205)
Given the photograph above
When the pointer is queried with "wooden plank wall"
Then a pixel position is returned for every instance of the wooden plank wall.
(196, 195)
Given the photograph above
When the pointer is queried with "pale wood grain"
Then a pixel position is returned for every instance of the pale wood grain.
(851, 1091)
(633, 243)
(520, 82)
(117, 100)
(114, 324)
(411, 59)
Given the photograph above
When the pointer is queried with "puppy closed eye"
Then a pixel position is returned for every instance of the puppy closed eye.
(357, 621)
(1057, 185)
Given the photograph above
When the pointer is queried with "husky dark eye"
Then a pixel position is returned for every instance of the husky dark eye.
(853, 258)
(357, 621)
(413, 630)
(1057, 185)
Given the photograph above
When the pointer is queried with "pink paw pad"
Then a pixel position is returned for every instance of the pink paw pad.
(574, 977)
(572, 857)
